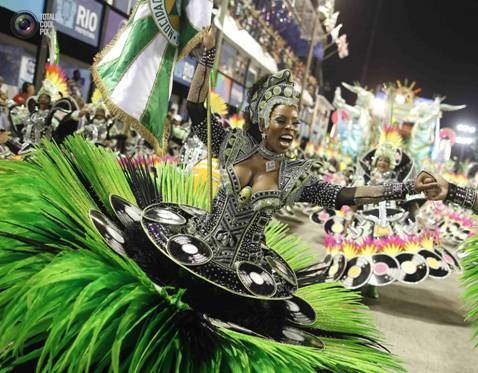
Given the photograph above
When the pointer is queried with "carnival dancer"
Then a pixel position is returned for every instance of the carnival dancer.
(378, 221)
(38, 124)
(255, 171)
(153, 286)
(50, 110)
(466, 197)
(96, 124)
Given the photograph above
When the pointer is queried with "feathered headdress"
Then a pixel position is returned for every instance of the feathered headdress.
(391, 135)
(389, 147)
(55, 83)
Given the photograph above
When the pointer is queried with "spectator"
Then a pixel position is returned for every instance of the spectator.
(28, 90)
(75, 84)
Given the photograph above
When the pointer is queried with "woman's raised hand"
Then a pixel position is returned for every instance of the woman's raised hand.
(209, 38)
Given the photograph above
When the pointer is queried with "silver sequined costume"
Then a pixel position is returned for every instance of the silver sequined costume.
(236, 231)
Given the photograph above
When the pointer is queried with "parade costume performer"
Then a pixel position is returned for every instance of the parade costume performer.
(381, 243)
(96, 121)
(49, 111)
(101, 271)
(466, 197)
(68, 301)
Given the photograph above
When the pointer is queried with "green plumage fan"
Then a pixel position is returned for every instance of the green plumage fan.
(69, 303)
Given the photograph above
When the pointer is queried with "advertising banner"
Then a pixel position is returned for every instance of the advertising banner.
(80, 19)
(27, 70)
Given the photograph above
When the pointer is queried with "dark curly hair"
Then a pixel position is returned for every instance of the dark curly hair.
(249, 127)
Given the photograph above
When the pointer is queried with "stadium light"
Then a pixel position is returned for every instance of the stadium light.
(465, 140)
(466, 128)
(379, 106)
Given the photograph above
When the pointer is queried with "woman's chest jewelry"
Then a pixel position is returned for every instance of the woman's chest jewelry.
(270, 166)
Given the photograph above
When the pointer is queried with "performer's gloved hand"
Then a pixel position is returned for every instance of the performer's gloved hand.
(209, 38)
(209, 42)
(435, 187)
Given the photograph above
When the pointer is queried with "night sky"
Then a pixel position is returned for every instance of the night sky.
(432, 42)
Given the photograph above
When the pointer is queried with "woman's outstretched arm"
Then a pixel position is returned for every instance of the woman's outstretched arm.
(335, 196)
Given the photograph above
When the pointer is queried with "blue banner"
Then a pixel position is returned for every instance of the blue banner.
(80, 19)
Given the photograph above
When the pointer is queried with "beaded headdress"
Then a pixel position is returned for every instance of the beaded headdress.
(278, 89)
(389, 147)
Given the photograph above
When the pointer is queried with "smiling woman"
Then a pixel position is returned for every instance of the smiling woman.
(258, 179)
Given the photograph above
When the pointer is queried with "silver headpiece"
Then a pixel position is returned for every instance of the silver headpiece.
(278, 89)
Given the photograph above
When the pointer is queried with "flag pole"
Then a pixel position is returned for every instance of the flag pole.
(209, 146)
(212, 83)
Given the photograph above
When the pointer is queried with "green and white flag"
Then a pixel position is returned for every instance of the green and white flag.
(135, 71)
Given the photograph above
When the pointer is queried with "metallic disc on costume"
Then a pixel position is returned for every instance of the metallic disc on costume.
(283, 270)
(413, 268)
(126, 212)
(256, 279)
(193, 211)
(452, 260)
(337, 267)
(323, 265)
(333, 227)
(300, 312)
(320, 267)
(232, 326)
(314, 273)
(296, 336)
(437, 267)
(163, 215)
(357, 273)
(189, 250)
(328, 226)
(385, 269)
(327, 259)
(111, 234)
(315, 217)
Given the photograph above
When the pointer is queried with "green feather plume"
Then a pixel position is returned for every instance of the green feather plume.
(68, 303)
(469, 280)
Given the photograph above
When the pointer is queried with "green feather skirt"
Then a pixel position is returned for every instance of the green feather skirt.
(68, 303)
(469, 280)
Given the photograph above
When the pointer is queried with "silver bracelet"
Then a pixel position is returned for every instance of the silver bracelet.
(208, 57)
(398, 191)
(463, 196)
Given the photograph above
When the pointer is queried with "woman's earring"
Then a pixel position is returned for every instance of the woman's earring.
(263, 135)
